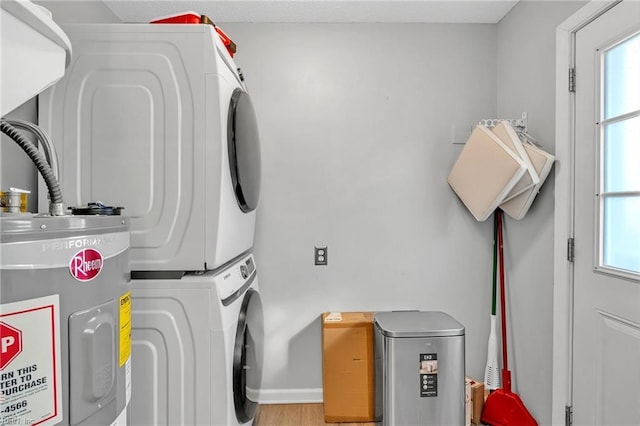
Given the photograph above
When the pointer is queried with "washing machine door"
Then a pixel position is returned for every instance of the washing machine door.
(244, 150)
(248, 357)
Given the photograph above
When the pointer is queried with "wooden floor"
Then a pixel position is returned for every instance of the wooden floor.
(295, 415)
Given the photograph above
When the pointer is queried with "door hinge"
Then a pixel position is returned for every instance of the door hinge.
(571, 247)
(572, 80)
(568, 415)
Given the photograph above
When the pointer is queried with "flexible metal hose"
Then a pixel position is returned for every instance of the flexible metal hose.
(55, 193)
(44, 139)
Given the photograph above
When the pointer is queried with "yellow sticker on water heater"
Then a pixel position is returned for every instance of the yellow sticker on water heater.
(125, 327)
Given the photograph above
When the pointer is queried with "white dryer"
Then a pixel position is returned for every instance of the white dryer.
(197, 348)
(157, 118)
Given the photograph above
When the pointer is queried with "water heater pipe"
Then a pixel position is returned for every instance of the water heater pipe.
(44, 139)
(56, 205)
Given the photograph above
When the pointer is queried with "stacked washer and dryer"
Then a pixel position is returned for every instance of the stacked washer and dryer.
(157, 116)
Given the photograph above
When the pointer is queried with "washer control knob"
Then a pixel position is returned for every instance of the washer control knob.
(243, 271)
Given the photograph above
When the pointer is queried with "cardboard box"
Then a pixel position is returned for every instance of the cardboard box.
(475, 400)
(348, 367)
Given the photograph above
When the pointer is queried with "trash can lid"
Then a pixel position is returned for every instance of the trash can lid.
(417, 324)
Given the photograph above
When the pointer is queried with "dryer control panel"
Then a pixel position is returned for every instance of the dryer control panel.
(247, 268)
(232, 281)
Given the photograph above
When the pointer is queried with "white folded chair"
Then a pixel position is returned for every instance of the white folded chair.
(484, 174)
(542, 161)
(510, 138)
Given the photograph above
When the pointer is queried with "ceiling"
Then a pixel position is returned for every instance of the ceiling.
(339, 11)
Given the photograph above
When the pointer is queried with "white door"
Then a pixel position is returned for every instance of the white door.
(606, 323)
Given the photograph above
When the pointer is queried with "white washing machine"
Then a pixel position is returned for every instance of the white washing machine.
(157, 117)
(197, 348)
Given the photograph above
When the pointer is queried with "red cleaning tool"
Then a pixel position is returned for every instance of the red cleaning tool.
(195, 18)
(503, 407)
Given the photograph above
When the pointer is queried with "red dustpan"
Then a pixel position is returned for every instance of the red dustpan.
(503, 407)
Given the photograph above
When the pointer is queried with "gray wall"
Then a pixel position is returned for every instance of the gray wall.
(338, 170)
(16, 169)
(355, 123)
(526, 82)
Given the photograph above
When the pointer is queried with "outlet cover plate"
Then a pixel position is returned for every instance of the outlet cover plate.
(320, 256)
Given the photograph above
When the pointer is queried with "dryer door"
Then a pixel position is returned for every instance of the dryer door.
(248, 357)
(244, 150)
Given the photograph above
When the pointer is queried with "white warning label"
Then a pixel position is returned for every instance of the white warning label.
(30, 372)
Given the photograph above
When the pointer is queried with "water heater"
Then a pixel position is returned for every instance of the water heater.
(65, 319)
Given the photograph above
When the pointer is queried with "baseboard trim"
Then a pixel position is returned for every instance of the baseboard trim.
(290, 396)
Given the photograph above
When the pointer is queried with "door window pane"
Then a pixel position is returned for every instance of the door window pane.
(619, 162)
(622, 233)
(622, 155)
(621, 82)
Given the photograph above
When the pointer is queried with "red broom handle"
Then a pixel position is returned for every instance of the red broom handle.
(506, 374)
(503, 317)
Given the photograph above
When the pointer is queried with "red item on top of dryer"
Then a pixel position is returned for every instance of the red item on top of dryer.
(183, 18)
(228, 43)
(195, 18)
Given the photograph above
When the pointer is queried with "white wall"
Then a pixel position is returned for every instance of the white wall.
(526, 82)
(355, 125)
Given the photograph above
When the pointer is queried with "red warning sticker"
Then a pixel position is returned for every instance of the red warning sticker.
(10, 344)
(30, 373)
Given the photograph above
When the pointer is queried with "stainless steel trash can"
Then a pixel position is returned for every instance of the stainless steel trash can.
(419, 360)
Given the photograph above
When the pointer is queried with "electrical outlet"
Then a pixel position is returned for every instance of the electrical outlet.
(320, 255)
